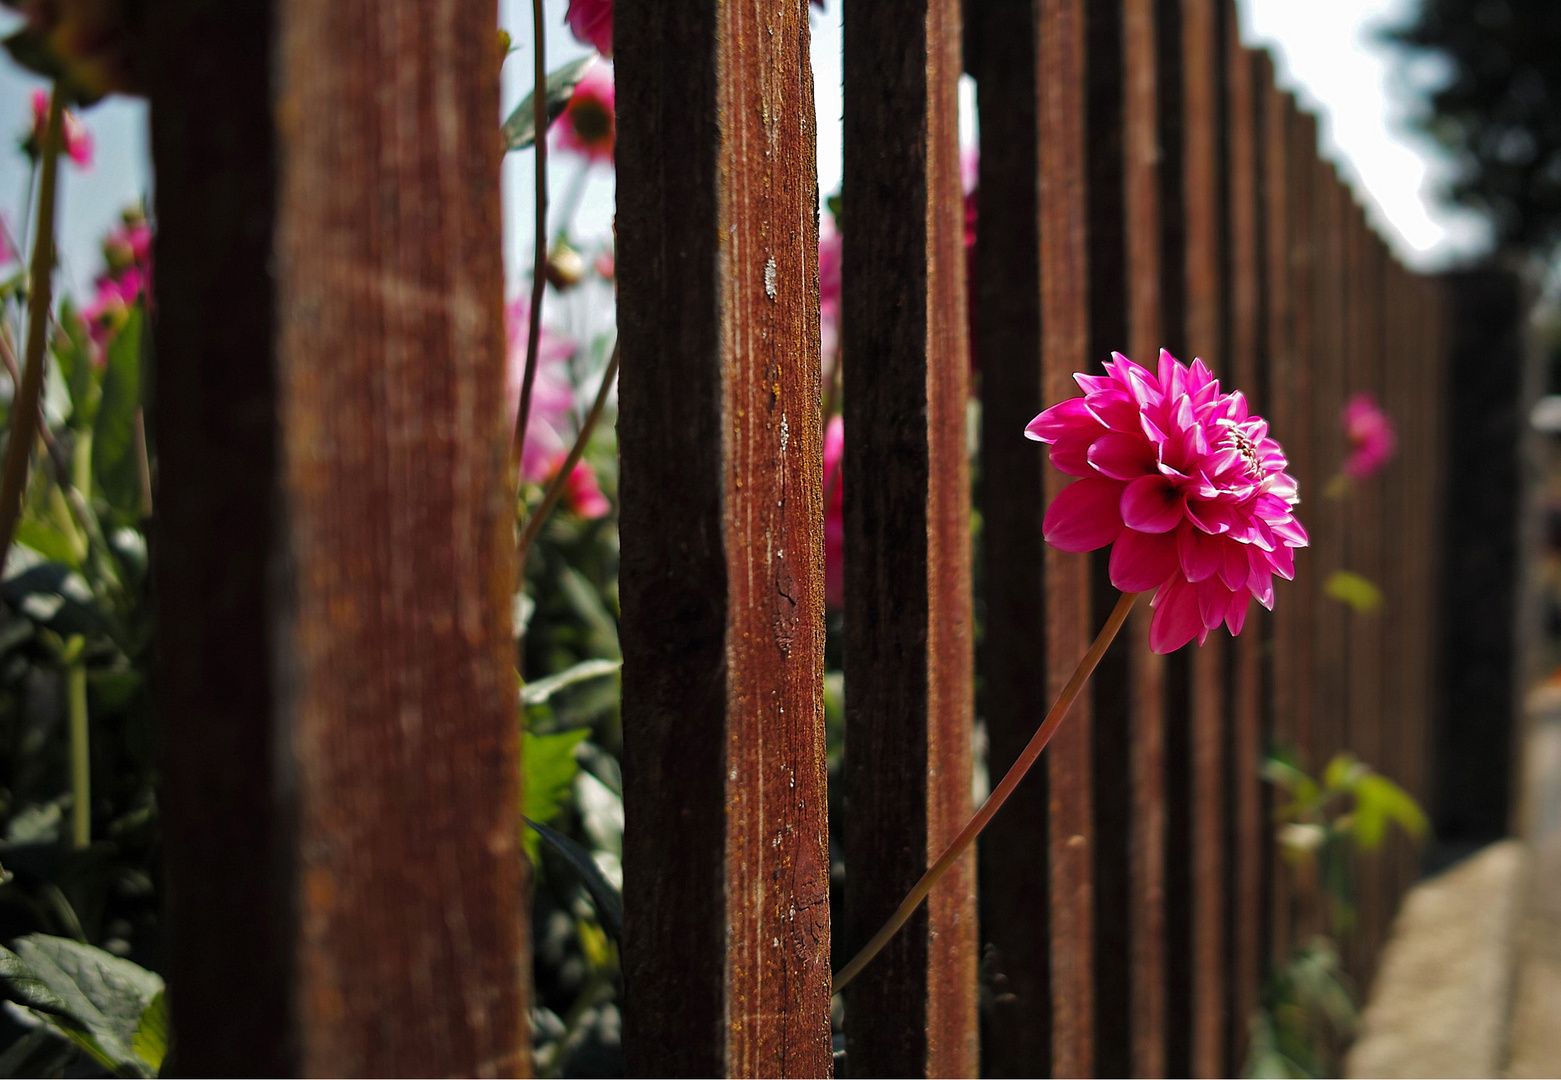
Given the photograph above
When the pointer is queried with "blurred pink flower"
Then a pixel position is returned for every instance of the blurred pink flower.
(8, 254)
(77, 140)
(127, 245)
(587, 125)
(1184, 482)
(1371, 435)
(829, 285)
(834, 513)
(590, 21)
(550, 430)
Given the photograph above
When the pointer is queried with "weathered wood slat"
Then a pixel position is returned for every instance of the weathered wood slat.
(1246, 828)
(909, 632)
(725, 863)
(214, 149)
(334, 545)
(1204, 207)
(1015, 922)
(1062, 89)
(1141, 179)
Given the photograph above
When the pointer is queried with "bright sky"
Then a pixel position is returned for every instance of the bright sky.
(1324, 48)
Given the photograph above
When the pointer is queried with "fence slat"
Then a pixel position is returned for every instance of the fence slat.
(1146, 916)
(1015, 927)
(725, 863)
(213, 146)
(1204, 208)
(1063, 95)
(338, 690)
(1246, 829)
(909, 634)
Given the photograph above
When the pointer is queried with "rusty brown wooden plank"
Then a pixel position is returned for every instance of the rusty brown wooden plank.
(213, 147)
(1204, 207)
(1015, 929)
(908, 650)
(1141, 180)
(1246, 828)
(1062, 88)
(337, 660)
(725, 864)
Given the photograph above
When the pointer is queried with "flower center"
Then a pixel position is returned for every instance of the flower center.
(1244, 446)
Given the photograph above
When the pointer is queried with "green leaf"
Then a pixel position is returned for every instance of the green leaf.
(46, 540)
(548, 769)
(520, 130)
(29, 49)
(151, 1038)
(103, 998)
(73, 355)
(40, 1052)
(608, 900)
(536, 693)
(114, 462)
(1358, 592)
(19, 983)
(1338, 774)
(1379, 801)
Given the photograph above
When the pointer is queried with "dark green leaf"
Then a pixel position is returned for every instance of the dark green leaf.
(114, 461)
(151, 1038)
(520, 130)
(28, 48)
(41, 1052)
(608, 900)
(73, 354)
(46, 540)
(104, 998)
(19, 983)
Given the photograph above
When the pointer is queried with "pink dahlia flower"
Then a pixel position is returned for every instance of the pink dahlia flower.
(76, 140)
(590, 21)
(1184, 482)
(829, 246)
(834, 514)
(550, 430)
(588, 125)
(1371, 435)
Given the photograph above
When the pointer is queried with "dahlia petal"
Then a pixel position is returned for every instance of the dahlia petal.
(1122, 457)
(1070, 452)
(1209, 515)
(1213, 602)
(1281, 561)
(1084, 515)
(1290, 531)
(1236, 614)
(1200, 553)
(1236, 567)
(1058, 420)
(1176, 620)
(1152, 504)
(1092, 384)
(1114, 410)
(1142, 561)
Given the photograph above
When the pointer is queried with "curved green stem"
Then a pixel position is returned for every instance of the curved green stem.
(555, 487)
(24, 409)
(968, 834)
(80, 749)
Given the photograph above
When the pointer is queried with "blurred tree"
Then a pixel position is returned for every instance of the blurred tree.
(1499, 110)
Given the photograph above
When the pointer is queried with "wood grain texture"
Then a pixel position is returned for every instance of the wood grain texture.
(395, 662)
(1062, 89)
(213, 429)
(1141, 182)
(909, 632)
(1246, 828)
(1015, 929)
(725, 867)
(1204, 206)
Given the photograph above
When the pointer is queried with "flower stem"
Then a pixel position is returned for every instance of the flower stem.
(24, 411)
(539, 268)
(555, 487)
(80, 750)
(995, 801)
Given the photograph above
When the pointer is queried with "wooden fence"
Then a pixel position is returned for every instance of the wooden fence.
(333, 566)
(1142, 183)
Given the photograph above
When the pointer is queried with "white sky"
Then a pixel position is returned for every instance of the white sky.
(1323, 47)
